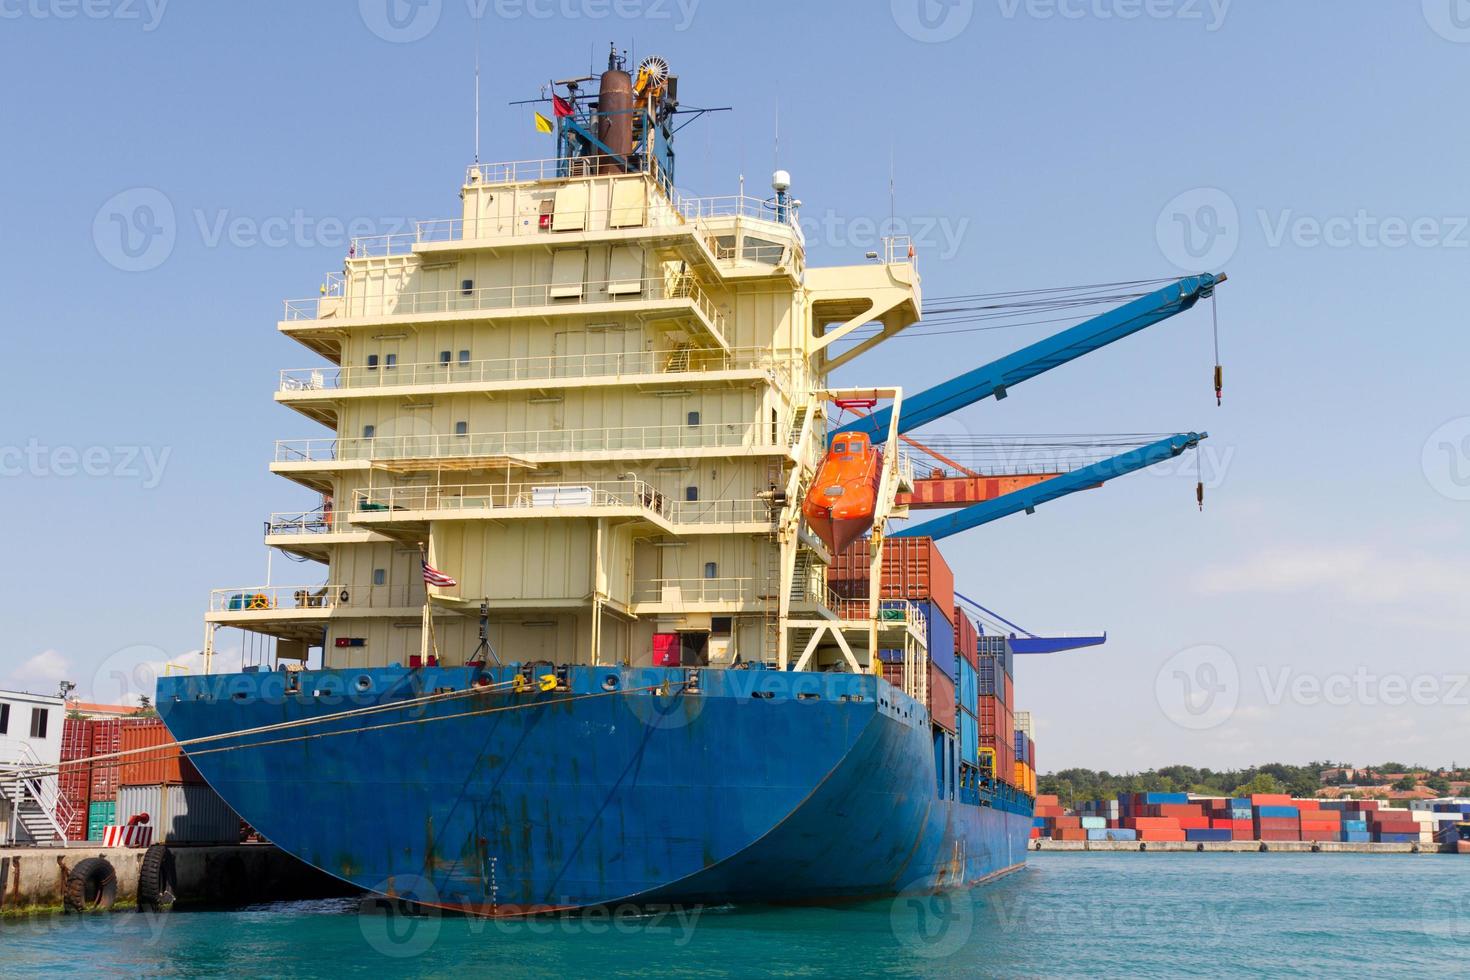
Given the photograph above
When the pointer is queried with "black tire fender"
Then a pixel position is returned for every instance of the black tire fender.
(91, 886)
(158, 880)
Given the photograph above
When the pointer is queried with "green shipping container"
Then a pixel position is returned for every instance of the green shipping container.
(100, 816)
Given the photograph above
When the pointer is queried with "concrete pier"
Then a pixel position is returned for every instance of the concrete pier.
(1240, 846)
(34, 878)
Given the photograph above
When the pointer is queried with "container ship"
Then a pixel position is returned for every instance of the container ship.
(615, 605)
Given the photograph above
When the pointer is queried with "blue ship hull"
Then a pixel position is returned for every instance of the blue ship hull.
(621, 787)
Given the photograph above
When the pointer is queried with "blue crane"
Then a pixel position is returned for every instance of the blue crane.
(997, 377)
(1058, 486)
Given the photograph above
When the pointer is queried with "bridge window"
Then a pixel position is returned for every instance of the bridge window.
(464, 357)
(461, 428)
(4, 719)
(380, 576)
(691, 494)
(39, 717)
(711, 570)
(368, 431)
(372, 362)
(444, 357)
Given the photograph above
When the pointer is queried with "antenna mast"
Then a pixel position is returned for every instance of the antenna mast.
(477, 90)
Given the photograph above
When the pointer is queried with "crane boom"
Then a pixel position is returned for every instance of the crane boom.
(998, 376)
(1060, 486)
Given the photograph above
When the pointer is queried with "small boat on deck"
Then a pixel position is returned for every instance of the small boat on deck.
(839, 506)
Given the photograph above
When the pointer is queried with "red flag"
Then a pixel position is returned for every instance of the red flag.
(560, 106)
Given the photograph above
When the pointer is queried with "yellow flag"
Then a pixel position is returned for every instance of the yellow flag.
(543, 125)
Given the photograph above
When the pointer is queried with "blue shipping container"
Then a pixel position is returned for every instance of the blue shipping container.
(1398, 838)
(969, 738)
(1153, 799)
(1356, 837)
(968, 688)
(941, 638)
(1207, 835)
(1278, 812)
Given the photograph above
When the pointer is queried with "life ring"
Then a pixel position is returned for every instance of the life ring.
(158, 880)
(91, 886)
(342, 596)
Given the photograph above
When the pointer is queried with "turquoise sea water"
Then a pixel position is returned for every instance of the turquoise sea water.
(1066, 914)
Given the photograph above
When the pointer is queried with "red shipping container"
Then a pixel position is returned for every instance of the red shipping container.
(163, 761)
(1070, 823)
(1194, 823)
(1180, 810)
(1048, 800)
(1242, 833)
(941, 697)
(1151, 823)
(1070, 833)
(913, 568)
(966, 638)
(1035, 833)
(1278, 835)
(1272, 799)
(1277, 823)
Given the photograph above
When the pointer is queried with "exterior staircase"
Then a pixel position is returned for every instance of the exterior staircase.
(39, 814)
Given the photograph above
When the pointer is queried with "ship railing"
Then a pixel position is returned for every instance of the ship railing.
(693, 590)
(310, 522)
(272, 598)
(696, 512)
(519, 496)
(677, 286)
(526, 171)
(386, 448)
(540, 367)
(898, 248)
(700, 209)
(889, 610)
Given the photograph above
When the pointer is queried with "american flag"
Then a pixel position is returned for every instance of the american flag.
(436, 578)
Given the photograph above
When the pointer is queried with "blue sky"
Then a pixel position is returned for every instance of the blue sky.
(1315, 609)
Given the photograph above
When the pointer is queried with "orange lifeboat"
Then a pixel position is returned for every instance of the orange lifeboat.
(839, 506)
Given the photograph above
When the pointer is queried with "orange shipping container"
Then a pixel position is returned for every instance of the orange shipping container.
(163, 765)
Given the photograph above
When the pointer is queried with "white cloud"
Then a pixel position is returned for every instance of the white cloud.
(41, 673)
(1361, 574)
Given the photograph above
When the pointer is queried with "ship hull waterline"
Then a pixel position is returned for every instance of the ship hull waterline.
(761, 787)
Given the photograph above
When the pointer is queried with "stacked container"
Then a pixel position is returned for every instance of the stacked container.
(106, 741)
(913, 569)
(993, 703)
(162, 783)
(75, 781)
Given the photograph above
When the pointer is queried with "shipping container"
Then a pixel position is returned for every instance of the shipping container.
(106, 741)
(180, 814)
(913, 568)
(1206, 835)
(969, 736)
(967, 637)
(100, 816)
(942, 702)
(164, 765)
(969, 694)
(941, 638)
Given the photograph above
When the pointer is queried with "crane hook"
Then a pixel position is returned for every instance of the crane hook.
(1199, 486)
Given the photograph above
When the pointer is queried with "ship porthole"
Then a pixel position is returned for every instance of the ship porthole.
(610, 682)
(364, 683)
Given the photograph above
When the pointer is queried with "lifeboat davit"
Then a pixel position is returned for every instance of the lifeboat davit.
(839, 506)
